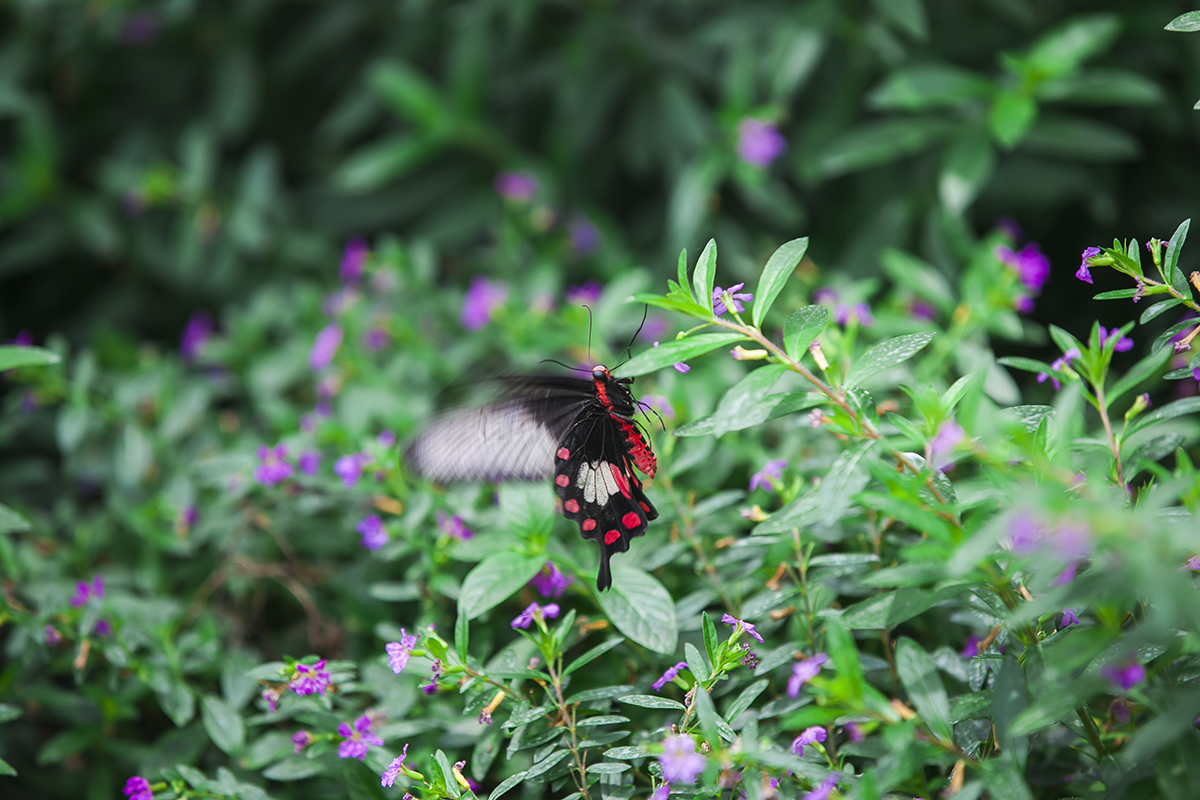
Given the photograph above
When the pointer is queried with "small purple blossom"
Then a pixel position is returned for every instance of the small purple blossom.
(827, 786)
(431, 687)
(825, 296)
(738, 624)
(1124, 343)
(1066, 576)
(519, 186)
(325, 346)
(535, 612)
(454, 527)
(659, 403)
(52, 636)
(1024, 533)
(102, 628)
(971, 649)
(664, 791)
(358, 739)
(1084, 262)
(805, 671)
(481, 302)
(679, 761)
(310, 679)
(922, 310)
(949, 436)
(681, 367)
(195, 334)
(350, 467)
(1193, 563)
(854, 732)
(765, 477)
(386, 438)
(393, 769)
(85, 592)
(1069, 618)
(1120, 710)
(301, 740)
(585, 294)
(1058, 365)
(309, 462)
(759, 143)
(138, 788)
(668, 676)
(374, 534)
(809, 736)
(1030, 264)
(273, 467)
(585, 237)
(844, 313)
(271, 697)
(1023, 304)
(1125, 676)
(734, 295)
(354, 258)
(549, 582)
(398, 652)
(376, 338)
(24, 338)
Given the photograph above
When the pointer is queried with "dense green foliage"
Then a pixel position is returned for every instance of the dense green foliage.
(925, 478)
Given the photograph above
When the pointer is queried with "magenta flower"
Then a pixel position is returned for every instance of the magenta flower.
(809, 736)
(535, 612)
(138, 788)
(585, 238)
(325, 346)
(680, 762)
(271, 697)
(398, 652)
(1058, 365)
(349, 468)
(669, 675)
(549, 582)
(823, 791)
(1084, 262)
(273, 467)
(949, 435)
(481, 302)
(454, 527)
(103, 628)
(85, 592)
(358, 739)
(1193, 563)
(393, 769)
(664, 791)
(843, 313)
(765, 477)
(519, 186)
(738, 624)
(310, 462)
(585, 294)
(1023, 304)
(1126, 676)
(737, 297)
(1066, 576)
(1069, 618)
(376, 338)
(374, 534)
(1124, 343)
(386, 438)
(354, 259)
(759, 143)
(805, 671)
(195, 334)
(301, 740)
(855, 732)
(52, 635)
(972, 647)
(1031, 265)
(922, 310)
(681, 367)
(309, 679)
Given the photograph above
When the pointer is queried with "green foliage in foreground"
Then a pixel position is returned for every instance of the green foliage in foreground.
(956, 590)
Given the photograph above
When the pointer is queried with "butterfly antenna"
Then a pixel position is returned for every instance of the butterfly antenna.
(589, 310)
(561, 364)
(653, 411)
(629, 347)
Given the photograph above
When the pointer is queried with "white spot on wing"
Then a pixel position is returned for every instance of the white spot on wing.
(597, 481)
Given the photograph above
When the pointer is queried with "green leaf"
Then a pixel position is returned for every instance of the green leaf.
(593, 654)
(839, 644)
(1143, 370)
(603, 693)
(906, 15)
(1082, 139)
(712, 642)
(12, 356)
(888, 609)
(779, 268)
(6, 769)
(920, 677)
(494, 580)
(1011, 116)
(802, 327)
(1188, 405)
(176, 700)
(800, 513)
(748, 402)
(507, 784)
(607, 769)
(1171, 260)
(1116, 294)
(746, 698)
(223, 724)
(847, 476)
(876, 143)
(695, 662)
(382, 162)
(1069, 45)
(1003, 780)
(295, 768)
(887, 354)
(1157, 309)
(640, 607)
(652, 701)
(966, 170)
(604, 719)
(462, 637)
(1009, 699)
(671, 352)
(9, 712)
(708, 717)
(11, 521)
(928, 86)
(683, 274)
(918, 277)
(678, 300)
(1185, 23)
(409, 93)
(543, 766)
(628, 753)
(1103, 86)
(704, 275)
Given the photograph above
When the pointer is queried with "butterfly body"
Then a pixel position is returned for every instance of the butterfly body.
(580, 431)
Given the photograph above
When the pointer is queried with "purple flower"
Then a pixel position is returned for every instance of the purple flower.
(680, 762)
(825, 296)
(659, 403)
(512, 185)
(481, 302)
(684, 368)
(1120, 711)
(855, 732)
(1059, 365)
(24, 338)
(271, 697)
(843, 313)
(349, 468)
(1124, 343)
(1088, 254)
(325, 346)
(584, 236)
(454, 527)
(376, 338)
(353, 260)
(737, 297)
(197, 331)
(310, 462)
(822, 792)
(805, 671)
(809, 736)
(301, 739)
(397, 652)
(374, 534)
(771, 471)
(1124, 677)
(922, 310)
(138, 788)
(585, 294)
(669, 675)
(949, 435)
(1193, 563)
(972, 647)
(1069, 618)
(85, 592)
(1066, 576)
(358, 738)
(273, 466)
(550, 582)
(664, 791)
(1031, 265)
(1023, 304)
(1071, 541)
(534, 611)
(309, 679)
(52, 635)
(386, 438)
(1024, 533)
(740, 624)
(393, 769)
(759, 143)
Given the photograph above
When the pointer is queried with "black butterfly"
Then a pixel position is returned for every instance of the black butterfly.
(581, 431)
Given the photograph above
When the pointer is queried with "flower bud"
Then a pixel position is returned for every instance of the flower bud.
(818, 355)
(739, 353)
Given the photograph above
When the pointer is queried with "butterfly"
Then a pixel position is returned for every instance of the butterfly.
(580, 431)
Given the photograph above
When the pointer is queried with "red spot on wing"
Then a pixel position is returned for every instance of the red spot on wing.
(645, 506)
(622, 483)
(562, 480)
(611, 537)
(631, 520)
(572, 506)
(563, 453)
(588, 525)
